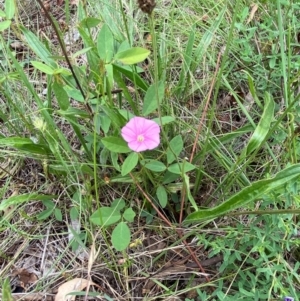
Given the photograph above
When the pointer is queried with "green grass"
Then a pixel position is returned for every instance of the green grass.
(76, 202)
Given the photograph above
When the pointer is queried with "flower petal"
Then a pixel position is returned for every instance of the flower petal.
(140, 126)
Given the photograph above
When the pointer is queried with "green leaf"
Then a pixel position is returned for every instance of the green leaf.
(130, 163)
(73, 112)
(44, 214)
(169, 177)
(105, 44)
(206, 40)
(118, 204)
(109, 74)
(74, 93)
(114, 160)
(10, 8)
(162, 196)
(74, 214)
(63, 71)
(113, 114)
(187, 60)
(89, 22)
(49, 204)
(115, 144)
(181, 168)
(58, 214)
(2, 14)
(150, 101)
(129, 214)
(133, 55)
(38, 47)
(247, 195)
(15, 141)
(263, 126)
(154, 165)
(4, 24)
(6, 291)
(40, 149)
(105, 216)
(174, 149)
(61, 96)
(133, 76)
(120, 237)
(19, 199)
(186, 180)
(42, 67)
(164, 120)
(80, 52)
(105, 123)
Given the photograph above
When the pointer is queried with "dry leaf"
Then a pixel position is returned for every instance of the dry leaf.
(74, 285)
(26, 278)
(252, 13)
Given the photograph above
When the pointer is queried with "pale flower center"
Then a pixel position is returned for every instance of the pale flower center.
(140, 138)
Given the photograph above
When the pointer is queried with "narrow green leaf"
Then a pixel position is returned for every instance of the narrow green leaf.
(42, 67)
(129, 163)
(10, 9)
(186, 63)
(74, 112)
(61, 96)
(15, 141)
(150, 101)
(162, 196)
(248, 194)
(181, 168)
(154, 165)
(206, 40)
(32, 148)
(2, 14)
(120, 237)
(6, 291)
(263, 126)
(115, 144)
(133, 55)
(252, 89)
(105, 44)
(38, 47)
(19, 199)
(80, 52)
(4, 24)
(109, 74)
(134, 77)
(174, 149)
(164, 120)
(114, 160)
(105, 216)
(129, 215)
(186, 180)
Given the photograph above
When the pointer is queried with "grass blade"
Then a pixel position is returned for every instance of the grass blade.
(247, 195)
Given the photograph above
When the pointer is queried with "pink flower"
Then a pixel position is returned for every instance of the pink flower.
(141, 134)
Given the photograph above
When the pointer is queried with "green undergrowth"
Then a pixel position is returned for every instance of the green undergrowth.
(220, 78)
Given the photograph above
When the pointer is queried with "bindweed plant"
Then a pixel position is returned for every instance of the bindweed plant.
(129, 126)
